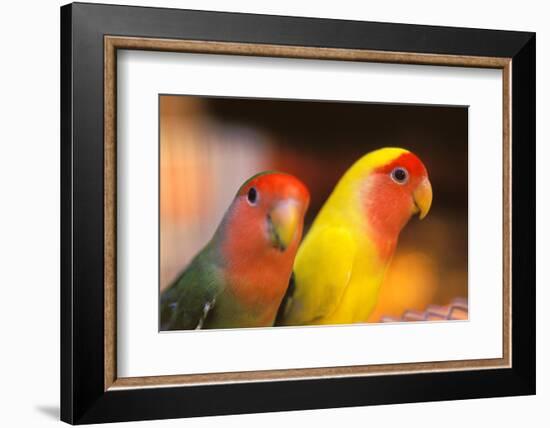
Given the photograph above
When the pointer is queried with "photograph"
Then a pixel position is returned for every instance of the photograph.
(264, 211)
(291, 212)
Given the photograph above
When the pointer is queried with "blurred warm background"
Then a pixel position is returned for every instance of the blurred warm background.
(209, 146)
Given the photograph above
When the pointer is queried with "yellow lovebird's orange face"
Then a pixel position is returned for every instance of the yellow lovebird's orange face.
(396, 191)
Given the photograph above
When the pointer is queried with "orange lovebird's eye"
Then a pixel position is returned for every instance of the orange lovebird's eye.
(252, 196)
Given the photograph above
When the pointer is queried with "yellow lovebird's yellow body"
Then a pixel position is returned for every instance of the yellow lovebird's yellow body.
(342, 261)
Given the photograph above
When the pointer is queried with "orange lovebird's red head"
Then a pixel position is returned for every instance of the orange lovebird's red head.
(271, 208)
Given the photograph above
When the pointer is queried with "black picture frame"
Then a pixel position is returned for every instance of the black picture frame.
(83, 398)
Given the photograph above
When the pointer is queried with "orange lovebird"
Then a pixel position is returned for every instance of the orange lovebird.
(241, 275)
(341, 263)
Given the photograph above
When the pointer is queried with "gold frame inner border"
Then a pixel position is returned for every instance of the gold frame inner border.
(113, 43)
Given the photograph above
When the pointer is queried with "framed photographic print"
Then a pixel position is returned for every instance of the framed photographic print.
(264, 213)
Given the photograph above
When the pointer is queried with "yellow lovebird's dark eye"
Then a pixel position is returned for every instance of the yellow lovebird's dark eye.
(252, 196)
(400, 175)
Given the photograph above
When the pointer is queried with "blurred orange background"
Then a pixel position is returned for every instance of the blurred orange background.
(209, 146)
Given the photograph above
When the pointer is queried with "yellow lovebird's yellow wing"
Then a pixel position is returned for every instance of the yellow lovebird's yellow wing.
(322, 271)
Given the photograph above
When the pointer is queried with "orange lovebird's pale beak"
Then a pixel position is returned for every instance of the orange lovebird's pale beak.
(285, 218)
(422, 196)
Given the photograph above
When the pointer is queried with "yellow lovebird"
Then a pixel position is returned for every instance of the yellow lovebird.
(341, 263)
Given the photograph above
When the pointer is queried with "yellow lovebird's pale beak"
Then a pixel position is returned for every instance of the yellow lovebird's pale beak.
(283, 223)
(423, 198)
